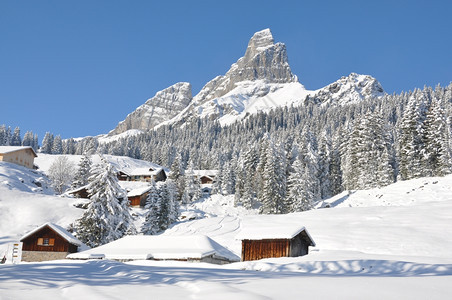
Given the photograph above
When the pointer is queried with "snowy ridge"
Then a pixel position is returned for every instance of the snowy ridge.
(259, 81)
(350, 89)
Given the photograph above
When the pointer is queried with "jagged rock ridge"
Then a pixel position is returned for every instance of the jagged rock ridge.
(162, 107)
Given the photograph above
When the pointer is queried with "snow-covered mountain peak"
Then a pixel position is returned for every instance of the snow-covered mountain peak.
(263, 60)
(350, 89)
(162, 107)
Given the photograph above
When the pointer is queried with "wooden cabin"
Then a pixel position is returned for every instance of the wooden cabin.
(261, 242)
(137, 197)
(48, 242)
(19, 155)
(205, 176)
(143, 174)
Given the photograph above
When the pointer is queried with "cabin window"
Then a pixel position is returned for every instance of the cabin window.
(46, 242)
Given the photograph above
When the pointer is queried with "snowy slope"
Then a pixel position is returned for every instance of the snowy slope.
(366, 248)
(15, 177)
(127, 164)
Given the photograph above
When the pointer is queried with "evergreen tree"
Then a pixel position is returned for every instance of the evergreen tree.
(16, 139)
(57, 145)
(299, 195)
(436, 152)
(83, 172)
(151, 222)
(47, 143)
(107, 217)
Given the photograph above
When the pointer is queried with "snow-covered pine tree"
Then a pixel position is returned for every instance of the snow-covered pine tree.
(274, 187)
(57, 146)
(83, 172)
(47, 143)
(174, 204)
(437, 159)
(296, 185)
(15, 138)
(107, 217)
(411, 140)
(151, 222)
(28, 139)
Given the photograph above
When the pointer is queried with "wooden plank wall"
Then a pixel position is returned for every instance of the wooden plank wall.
(258, 249)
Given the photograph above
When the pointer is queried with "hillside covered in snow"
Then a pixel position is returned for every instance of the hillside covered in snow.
(387, 243)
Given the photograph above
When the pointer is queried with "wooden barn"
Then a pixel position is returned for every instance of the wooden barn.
(48, 242)
(142, 174)
(261, 242)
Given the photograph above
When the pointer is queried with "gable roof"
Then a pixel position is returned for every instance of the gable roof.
(272, 232)
(144, 172)
(10, 149)
(58, 229)
(139, 191)
(138, 247)
(207, 173)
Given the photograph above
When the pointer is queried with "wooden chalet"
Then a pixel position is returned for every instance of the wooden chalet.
(143, 174)
(205, 176)
(48, 242)
(261, 242)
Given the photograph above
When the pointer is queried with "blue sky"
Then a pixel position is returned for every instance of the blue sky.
(77, 68)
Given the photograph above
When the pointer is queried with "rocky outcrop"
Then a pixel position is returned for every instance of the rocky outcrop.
(350, 89)
(162, 107)
(263, 60)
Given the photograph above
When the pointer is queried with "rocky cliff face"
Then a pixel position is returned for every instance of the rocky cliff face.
(162, 107)
(263, 60)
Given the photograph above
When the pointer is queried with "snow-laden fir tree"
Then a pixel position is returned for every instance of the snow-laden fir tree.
(162, 207)
(47, 143)
(192, 191)
(151, 222)
(16, 139)
(57, 146)
(411, 138)
(436, 154)
(369, 161)
(83, 172)
(299, 197)
(274, 181)
(107, 217)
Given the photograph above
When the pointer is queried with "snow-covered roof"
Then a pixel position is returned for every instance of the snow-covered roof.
(9, 149)
(144, 171)
(208, 173)
(60, 230)
(139, 247)
(139, 191)
(272, 232)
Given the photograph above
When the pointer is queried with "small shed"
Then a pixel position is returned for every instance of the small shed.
(278, 241)
(81, 192)
(191, 248)
(48, 242)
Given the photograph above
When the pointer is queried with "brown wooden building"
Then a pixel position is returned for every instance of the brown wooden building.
(137, 197)
(143, 174)
(48, 242)
(262, 242)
